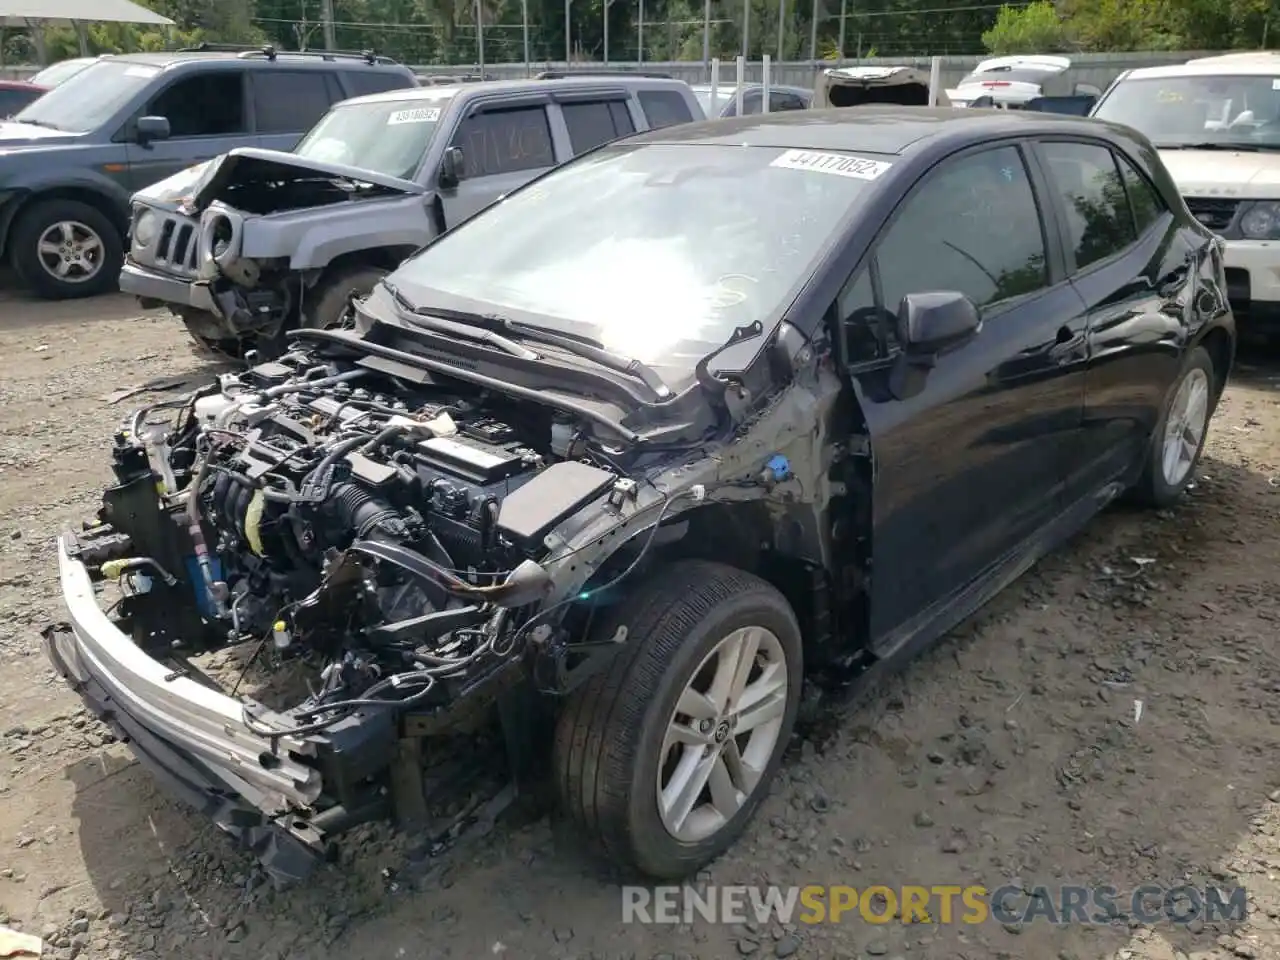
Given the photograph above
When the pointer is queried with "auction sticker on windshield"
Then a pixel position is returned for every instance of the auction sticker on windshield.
(419, 115)
(840, 164)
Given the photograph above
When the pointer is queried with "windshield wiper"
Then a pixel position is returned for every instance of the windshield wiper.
(591, 350)
(432, 320)
(37, 123)
(579, 346)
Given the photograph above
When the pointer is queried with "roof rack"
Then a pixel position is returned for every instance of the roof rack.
(564, 74)
(269, 52)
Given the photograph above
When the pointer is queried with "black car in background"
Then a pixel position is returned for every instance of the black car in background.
(700, 416)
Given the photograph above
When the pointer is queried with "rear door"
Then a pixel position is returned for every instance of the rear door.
(504, 145)
(1130, 263)
(287, 103)
(208, 114)
(973, 464)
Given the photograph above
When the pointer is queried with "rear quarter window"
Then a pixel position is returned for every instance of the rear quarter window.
(664, 108)
(359, 82)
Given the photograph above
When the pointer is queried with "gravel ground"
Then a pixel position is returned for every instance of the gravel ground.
(1009, 752)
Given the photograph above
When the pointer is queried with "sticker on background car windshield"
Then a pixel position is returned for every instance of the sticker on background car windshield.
(841, 164)
(420, 115)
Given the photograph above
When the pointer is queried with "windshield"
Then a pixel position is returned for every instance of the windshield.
(1239, 111)
(86, 100)
(657, 251)
(57, 73)
(387, 137)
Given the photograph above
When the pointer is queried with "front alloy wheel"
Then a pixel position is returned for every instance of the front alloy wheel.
(663, 757)
(722, 734)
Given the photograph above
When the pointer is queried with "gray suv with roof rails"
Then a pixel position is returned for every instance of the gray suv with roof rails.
(70, 162)
(260, 242)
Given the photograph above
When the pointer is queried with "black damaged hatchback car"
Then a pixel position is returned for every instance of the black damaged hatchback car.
(614, 466)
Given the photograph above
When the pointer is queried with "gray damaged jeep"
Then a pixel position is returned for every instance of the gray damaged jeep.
(257, 242)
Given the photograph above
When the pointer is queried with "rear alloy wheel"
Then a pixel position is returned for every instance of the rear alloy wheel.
(662, 758)
(65, 249)
(1178, 439)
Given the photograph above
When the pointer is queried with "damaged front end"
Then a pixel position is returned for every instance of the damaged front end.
(313, 568)
(236, 247)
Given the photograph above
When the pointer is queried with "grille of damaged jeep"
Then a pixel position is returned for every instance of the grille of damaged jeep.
(175, 248)
(1214, 212)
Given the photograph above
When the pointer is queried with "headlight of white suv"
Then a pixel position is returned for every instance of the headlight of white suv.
(1261, 220)
(144, 228)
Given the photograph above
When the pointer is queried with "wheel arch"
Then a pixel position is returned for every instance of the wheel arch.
(90, 196)
(384, 258)
(742, 535)
(1221, 347)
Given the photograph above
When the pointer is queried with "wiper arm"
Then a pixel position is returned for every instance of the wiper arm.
(583, 347)
(589, 350)
(431, 320)
(1213, 145)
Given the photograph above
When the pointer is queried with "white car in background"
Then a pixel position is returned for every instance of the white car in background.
(1216, 124)
(1013, 82)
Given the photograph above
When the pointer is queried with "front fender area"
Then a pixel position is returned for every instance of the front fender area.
(98, 191)
(312, 239)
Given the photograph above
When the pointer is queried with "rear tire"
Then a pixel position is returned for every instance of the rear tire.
(66, 235)
(1179, 436)
(328, 302)
(625, 737)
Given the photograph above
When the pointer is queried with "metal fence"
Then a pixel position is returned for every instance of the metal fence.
(1098, 69)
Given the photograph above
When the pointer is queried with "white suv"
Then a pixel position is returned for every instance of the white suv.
(1216, 124)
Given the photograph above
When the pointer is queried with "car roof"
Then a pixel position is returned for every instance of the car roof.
(730, 85)
(870, 129)
(295, 61)
(1231, 65)
(444, 91)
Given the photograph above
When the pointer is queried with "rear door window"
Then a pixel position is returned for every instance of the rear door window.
(664, 108)
(1087, 182)
(290, 101)
(1145, 201)
(505, 141)
(593, 123)
(784, 101)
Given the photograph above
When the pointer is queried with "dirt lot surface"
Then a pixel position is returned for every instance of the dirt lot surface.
(1014, 751)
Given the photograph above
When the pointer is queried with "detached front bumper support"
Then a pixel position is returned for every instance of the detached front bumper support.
(191, 736)
(284, 857)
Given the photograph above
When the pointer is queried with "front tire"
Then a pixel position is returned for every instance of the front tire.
(663, 758)
(328, 306)
(65, 250)
(1178, 439)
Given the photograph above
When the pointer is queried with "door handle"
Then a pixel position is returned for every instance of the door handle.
(1067, 345)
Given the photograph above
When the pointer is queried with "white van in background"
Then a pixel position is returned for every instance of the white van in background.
(1216, 124)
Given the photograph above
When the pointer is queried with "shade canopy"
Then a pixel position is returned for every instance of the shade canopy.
(19, 13)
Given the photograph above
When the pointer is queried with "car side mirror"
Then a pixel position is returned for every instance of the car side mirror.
(452, 165)
(929, 324)
(149, 129)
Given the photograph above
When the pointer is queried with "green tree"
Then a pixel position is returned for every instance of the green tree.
(1035, 28)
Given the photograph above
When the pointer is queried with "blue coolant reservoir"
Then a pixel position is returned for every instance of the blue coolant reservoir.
(203, 601)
